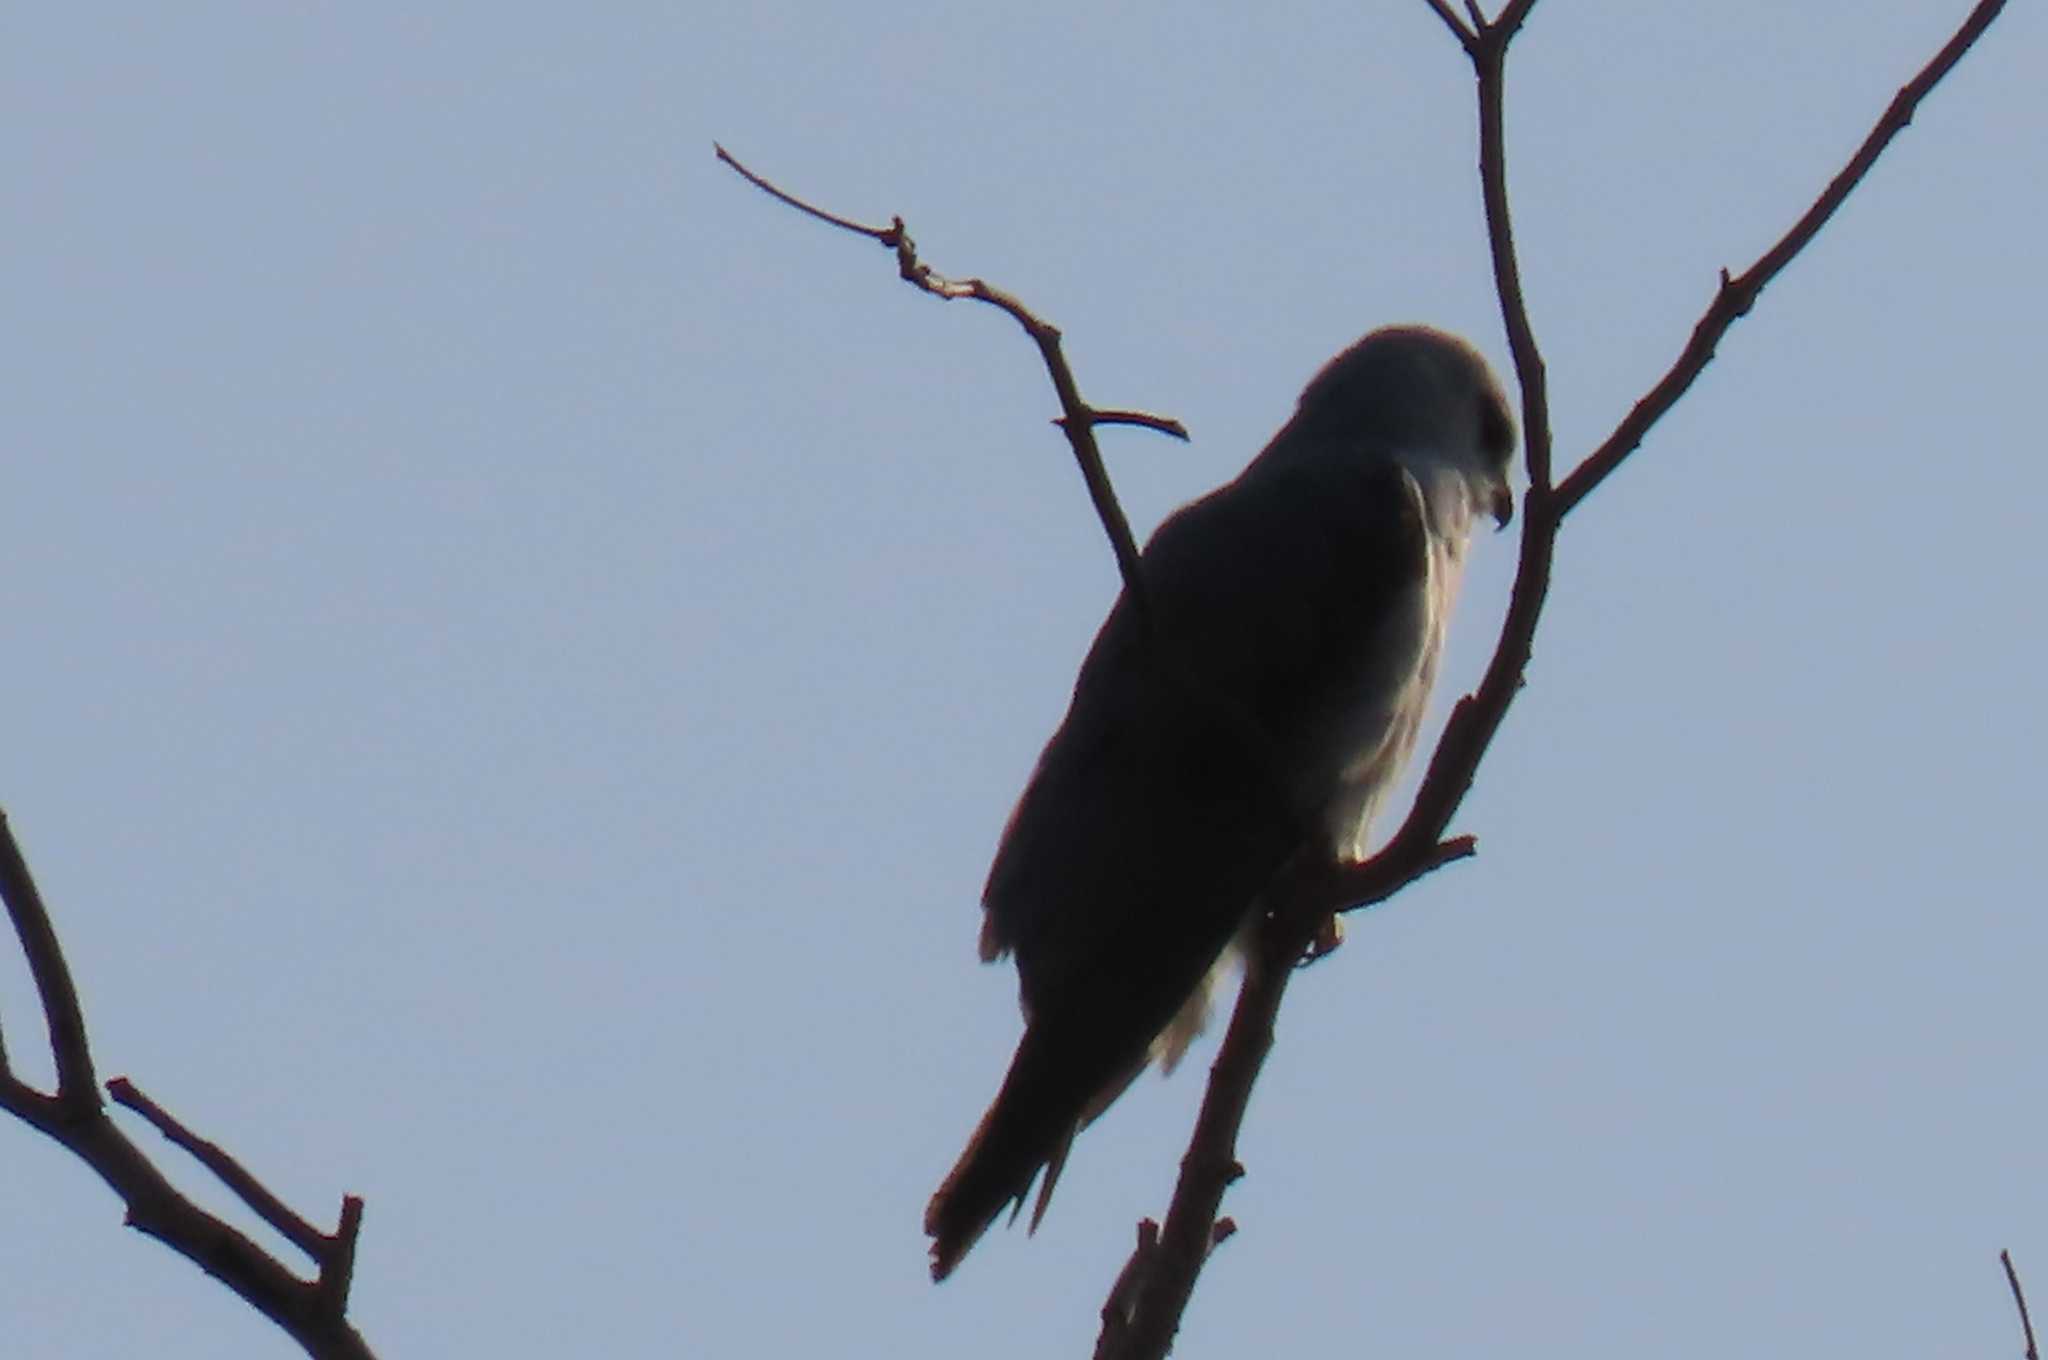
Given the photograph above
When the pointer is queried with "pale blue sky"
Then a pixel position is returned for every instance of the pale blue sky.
(519, 648)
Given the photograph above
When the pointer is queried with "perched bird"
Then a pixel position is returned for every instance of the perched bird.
(1263, 700)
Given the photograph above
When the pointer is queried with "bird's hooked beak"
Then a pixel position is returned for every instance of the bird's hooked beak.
(1503, 506)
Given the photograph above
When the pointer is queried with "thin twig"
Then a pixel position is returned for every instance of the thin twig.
(1077, 418)
(1166, 425)
(77, 1088)
(231, 1173)
(1489, 60)
(1739, 293)
(882, 234)
(1121, 1305)
(338, 1267)
(2019, 1297)
(1512, 17)
(1444, 12)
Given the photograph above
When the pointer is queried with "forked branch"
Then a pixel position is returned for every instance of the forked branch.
(1077, 418)
(312, 1311)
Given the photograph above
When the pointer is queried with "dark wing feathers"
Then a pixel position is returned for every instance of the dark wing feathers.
(1153, 819)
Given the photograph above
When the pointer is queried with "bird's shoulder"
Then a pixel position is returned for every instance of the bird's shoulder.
(1298, 530)
(1273, 583)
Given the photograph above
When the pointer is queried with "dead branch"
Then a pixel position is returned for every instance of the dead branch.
(311, 1312)
(1077, 418)
(2019, 1298)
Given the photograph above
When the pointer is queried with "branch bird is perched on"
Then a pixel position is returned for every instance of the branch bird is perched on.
(1297, 615)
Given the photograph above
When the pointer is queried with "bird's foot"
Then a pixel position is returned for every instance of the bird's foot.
(1328, 936)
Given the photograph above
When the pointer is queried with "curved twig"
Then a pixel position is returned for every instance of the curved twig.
(2019, 1298)
(1077, 418)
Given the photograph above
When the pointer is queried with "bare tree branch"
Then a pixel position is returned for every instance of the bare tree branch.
(338, 1262)
(1077, 419)
(1739, 293)
(2019, 1298)
(1154, 1288)
(251, 1191)
(311, 1313)
(1164, 424)
(1444, 12)
(77, 1087)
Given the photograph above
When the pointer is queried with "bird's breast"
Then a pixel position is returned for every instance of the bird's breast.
(1373, 735)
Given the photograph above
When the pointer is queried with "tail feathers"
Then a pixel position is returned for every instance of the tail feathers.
(1056, 1084)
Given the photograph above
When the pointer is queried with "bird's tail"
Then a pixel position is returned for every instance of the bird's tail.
(1057, 1083)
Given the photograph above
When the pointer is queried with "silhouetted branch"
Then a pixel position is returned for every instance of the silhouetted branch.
(1444, 12)
(75, 1116)
(1164, 424)
(77, 1087)
(252, 1192)
(1077, 418)
(1739, 293)
(2019, 1298)
(1154, 1288)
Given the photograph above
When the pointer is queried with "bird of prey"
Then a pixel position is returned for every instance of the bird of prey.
(1258, 703)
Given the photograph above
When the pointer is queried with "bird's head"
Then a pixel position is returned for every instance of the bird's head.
(1420, 394)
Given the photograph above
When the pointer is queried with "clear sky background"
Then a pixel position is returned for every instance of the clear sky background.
(518, 649)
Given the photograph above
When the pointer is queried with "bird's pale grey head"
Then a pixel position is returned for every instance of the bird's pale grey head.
(1417, 392)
